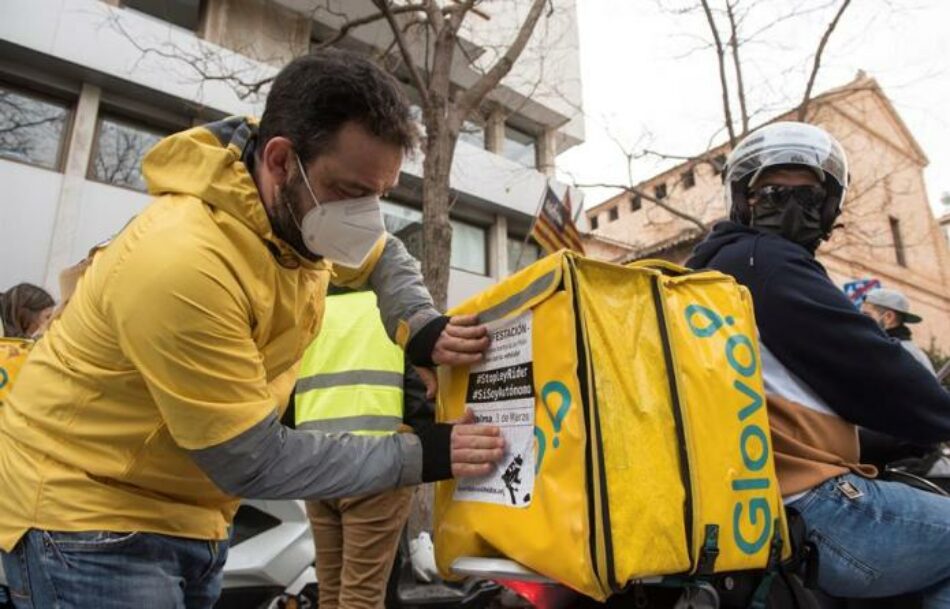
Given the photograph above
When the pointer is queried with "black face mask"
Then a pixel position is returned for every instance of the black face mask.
(793, 212)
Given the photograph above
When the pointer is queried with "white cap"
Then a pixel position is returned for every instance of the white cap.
(893, 300)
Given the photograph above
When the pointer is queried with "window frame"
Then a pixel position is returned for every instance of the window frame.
(522, 243)
(660, 191)
(125, 120)
(897, 238)
(59, 164)
(636, 203)
(484, 232)
(509, 128)
(199, 20)
(719, 164)
(613, 214)
(688, 179)
(417, 209)
(594, 221)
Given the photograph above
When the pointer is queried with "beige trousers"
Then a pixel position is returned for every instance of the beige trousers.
(356, 542)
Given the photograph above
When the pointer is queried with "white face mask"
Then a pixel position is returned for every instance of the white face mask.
(343, 232)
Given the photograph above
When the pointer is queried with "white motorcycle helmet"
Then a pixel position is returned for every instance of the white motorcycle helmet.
(783, 144)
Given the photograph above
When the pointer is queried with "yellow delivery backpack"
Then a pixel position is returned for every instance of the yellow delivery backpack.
(637, 438)
(13, 353)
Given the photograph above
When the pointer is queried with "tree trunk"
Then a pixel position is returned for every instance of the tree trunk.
(436, 200)
(441, 137)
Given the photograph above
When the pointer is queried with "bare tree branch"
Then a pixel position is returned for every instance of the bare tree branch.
(658, 202)
(740, 87)
(474, 95)
(417, 81)
(720, 54)
(803, 107)
(457, 12)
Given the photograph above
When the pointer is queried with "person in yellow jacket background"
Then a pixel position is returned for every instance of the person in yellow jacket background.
(153, 401)
(353, 379)
(25, 311)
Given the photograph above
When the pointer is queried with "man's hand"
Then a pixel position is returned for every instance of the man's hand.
(462, 342)
(429, 379)
(475, 448)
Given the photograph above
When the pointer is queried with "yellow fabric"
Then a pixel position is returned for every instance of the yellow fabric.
(352, 339)
(13, 354)
(183, 332)
(609, 502)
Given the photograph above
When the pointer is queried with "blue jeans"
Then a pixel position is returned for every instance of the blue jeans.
(103, 570)
(879, 539)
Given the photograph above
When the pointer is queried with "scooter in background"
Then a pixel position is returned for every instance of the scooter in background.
(271, 566)
(271, 557)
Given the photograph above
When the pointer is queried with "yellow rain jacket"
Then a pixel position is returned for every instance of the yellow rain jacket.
(184, 332)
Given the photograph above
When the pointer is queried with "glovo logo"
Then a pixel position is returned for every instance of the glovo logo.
(752, 486)
(556, 399)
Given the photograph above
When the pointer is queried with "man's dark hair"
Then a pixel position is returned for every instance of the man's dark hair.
(315, 95)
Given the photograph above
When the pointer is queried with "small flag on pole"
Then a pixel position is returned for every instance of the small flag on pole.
(554, 227)
(858, 290)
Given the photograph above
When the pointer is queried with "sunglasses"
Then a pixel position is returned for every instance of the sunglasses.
(809, 196)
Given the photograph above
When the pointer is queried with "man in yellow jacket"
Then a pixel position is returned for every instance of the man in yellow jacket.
(153, 402)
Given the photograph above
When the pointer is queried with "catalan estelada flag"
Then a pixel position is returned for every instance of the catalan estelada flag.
(554, 227)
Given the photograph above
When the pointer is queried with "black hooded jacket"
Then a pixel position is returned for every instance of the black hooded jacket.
(812, 328)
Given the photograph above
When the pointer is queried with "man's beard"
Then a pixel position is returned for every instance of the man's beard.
(283, 223)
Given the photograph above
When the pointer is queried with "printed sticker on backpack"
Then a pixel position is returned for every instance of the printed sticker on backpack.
(501, 392)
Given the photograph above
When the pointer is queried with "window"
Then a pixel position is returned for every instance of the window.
(719, 164)
(406, 223)
(32, 129)
(469, 252)
(120, 147)
(183, 13)
(659, 191)
(469, 242)
(636, 202)
(898, 241)
(521, 254)
(593, 222)
(688, 179)
(612, 214)
(519, 147)
(472, 134)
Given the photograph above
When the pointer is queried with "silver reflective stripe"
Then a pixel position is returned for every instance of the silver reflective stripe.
(535, 288)
(383, 378)
(420, 319)
(349, 424)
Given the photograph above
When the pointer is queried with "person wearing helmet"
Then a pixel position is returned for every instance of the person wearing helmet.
(828, 369)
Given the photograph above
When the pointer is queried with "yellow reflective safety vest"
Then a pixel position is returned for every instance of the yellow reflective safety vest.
(350, 379)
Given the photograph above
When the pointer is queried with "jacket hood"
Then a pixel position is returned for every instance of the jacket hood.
(723, 234)
(208, 162)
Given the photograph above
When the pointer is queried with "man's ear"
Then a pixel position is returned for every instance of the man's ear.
(277, 158)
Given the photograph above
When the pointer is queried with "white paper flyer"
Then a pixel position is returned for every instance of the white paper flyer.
(501, 393)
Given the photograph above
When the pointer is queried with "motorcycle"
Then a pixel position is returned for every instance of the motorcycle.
(271, 557)
(271, 566)
(792, 586)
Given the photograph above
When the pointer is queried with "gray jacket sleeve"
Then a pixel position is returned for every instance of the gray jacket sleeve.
(270, 461)
(401, 291)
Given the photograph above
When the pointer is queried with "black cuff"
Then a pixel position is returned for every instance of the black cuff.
(420, 347)
(436, 452)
